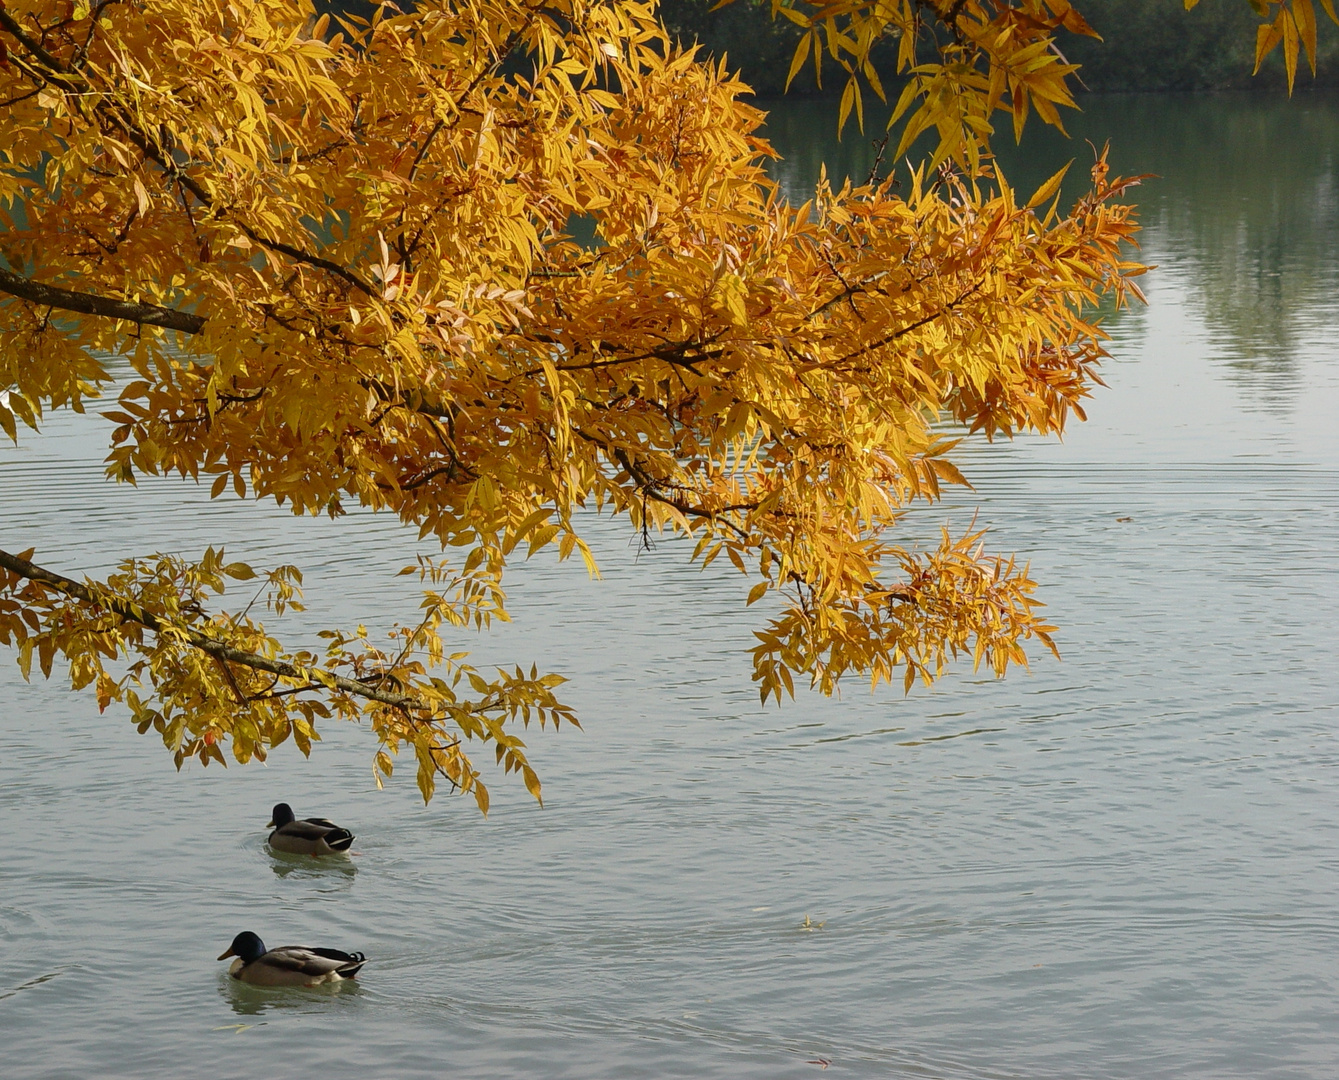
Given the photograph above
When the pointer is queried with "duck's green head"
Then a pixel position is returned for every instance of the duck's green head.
(246, 945)
(281, 815)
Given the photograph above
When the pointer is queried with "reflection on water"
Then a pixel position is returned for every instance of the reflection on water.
(335, 870)
(247, 1000)
(331, 867)
(1247, 208)
(1243, 205)
(952, 735)
(29, 984)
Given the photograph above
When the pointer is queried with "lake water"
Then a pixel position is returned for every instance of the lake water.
(1121, 865)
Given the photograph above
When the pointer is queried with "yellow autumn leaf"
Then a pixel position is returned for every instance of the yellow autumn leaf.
(1048, 190)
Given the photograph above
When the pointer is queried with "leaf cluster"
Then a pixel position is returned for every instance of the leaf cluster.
(146, 638)
(961, 61)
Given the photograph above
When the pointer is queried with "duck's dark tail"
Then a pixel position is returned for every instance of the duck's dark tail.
(353, 961)
(348, 971)
(339, 840)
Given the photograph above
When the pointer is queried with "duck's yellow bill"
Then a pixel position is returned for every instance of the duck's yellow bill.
(224, 956)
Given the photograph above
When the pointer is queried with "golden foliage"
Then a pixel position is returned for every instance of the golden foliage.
(336, 255)
(1291, 23)
(964, 60)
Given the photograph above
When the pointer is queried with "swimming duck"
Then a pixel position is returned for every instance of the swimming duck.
(292, 965)
(311, 836)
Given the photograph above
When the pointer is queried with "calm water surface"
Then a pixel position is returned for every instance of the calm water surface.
(1123, 865)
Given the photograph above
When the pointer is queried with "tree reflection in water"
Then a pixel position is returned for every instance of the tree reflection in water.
(1244, 210)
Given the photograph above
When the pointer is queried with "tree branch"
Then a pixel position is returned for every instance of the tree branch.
(107, 307)
(888, 339)
(206, 644)
(149, 148)
(651, 488)
(11, 24)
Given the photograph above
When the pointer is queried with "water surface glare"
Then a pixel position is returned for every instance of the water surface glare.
(1119, 866)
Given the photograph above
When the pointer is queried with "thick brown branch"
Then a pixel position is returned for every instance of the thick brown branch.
(107, 307)
(11, 24)
(206, 644)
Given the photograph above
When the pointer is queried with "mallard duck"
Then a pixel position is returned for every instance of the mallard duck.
(292, 965)
(311, 836)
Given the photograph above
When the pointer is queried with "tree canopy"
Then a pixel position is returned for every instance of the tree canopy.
(338, 255)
